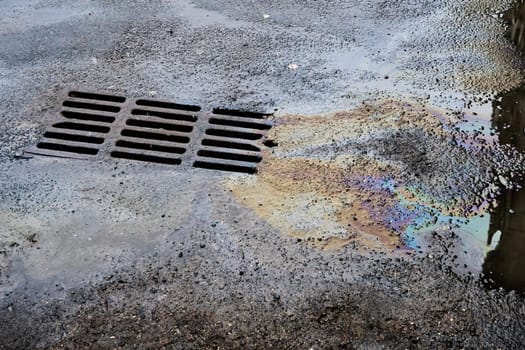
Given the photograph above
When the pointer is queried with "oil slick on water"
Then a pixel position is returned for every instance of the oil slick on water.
(361, 177)
(333, 180)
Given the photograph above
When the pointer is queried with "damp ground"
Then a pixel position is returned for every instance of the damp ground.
(386, 212)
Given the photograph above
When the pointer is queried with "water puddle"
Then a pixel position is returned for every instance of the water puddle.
(501, 228)
(504, 265)
(494, 235)
(515, 18)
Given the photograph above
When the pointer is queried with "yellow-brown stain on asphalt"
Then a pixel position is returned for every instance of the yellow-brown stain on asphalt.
(314, 188)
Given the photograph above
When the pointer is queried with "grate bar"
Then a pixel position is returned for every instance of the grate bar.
(82, 127)
(60, 154)
(241, 167)
(69, 142)
(73, 137)
(230, 151)
(152, 124)
(226, 161)
(92, 106)
(154, 134)
(150, 147)
(182, 116)
(157, 142)
(224, 142)
(230, 156)
(241, 123)
(95, 124)
(98, 116)
(155, 157)
(76, 132)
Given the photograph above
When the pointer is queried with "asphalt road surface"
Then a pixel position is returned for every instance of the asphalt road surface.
(388, 171)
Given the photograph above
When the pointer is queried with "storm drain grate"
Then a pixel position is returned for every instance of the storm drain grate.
(95, 124)
(156, 132)
(230, 141)
(87, 121)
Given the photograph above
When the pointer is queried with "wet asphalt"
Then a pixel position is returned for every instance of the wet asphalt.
(112, 254)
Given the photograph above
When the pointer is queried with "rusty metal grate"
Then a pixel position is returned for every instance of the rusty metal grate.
(87, 121)
(156, 132)
(230, 141)
(148, 130)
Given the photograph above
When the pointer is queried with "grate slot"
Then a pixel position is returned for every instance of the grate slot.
(168, 105)
(83, 127)
(230, 144)
(241, 114)
(158, 125)
(67, 148)
(165, 115)
(88, 116)
(233, 134)
(93, 106)
(240, 124)
(73, 137)
(145, 157)
(225, 167)
(154, 136)
(230, 156)
(100, 97)
(150, 147)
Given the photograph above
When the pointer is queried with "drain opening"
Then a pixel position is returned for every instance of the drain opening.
(82, 127)
(150, 147)
(168, 105)
(230, 156)
(145, 158)
(242, 114)
(155, 136)
(93, 106)
(233, 134)
(225, 167)
(100, 97)
(158, 125)
(228, 144)
(67, 148)
(240, 124)
(87, 116)
(72, 137)
(165, 115)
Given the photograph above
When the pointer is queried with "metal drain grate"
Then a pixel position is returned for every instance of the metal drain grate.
(89, 117)
(156, 132)
(96, 124)
(230, 144)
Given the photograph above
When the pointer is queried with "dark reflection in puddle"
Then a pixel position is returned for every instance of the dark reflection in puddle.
(515, 17)
(505, 265)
